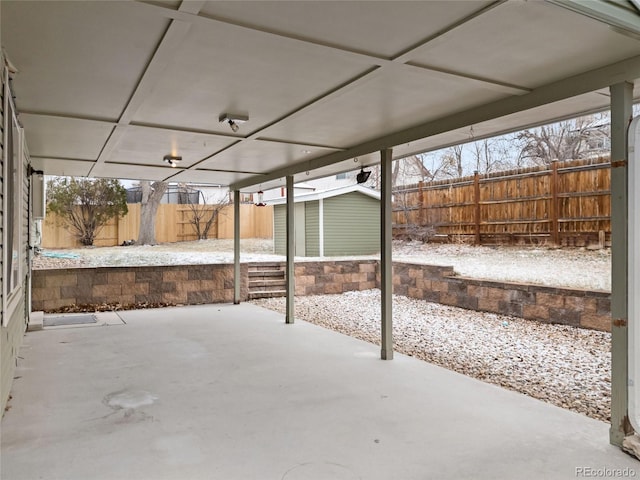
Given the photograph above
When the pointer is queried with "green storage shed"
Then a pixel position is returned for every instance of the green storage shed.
(341, 221)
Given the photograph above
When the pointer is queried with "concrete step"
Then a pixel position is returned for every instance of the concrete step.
(266, 284)
(267, 294)
(265, 266)
(267, 273)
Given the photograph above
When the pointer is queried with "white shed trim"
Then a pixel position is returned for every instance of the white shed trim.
(334, 192)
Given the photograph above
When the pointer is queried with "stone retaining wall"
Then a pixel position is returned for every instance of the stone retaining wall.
(183, 284)
(320, 278)
(575, 307)
(196, 284)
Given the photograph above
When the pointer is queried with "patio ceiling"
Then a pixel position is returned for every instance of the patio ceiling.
(106, 89)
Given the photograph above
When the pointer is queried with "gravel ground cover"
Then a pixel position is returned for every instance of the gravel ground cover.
(566, 267)
(568, 367)
(560, 267)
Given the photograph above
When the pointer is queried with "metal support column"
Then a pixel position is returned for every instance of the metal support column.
(291, 247)
(621, 113)
(386, 265)
(236, 247)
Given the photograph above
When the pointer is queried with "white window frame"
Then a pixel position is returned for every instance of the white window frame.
(12, 209)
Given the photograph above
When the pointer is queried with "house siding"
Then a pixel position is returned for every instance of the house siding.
(312, 229)
(280, 229)
(11, 336)
(351, 225)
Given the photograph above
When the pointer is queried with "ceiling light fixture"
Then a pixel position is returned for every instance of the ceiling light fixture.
(233, 119)
(363, 176)
(172, 160)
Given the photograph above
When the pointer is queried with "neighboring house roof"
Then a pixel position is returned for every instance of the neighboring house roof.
(334, 192)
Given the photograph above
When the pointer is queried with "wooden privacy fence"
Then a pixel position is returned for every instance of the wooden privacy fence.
(172, 225)
(566, 203)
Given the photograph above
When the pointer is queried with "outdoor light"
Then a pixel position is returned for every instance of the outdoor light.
(363, 176)
(233, 119)
(172, 160)
(260, 202)
(234, 126)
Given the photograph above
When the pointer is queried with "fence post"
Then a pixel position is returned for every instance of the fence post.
(421, 216)
(553, 210)
(476, 200)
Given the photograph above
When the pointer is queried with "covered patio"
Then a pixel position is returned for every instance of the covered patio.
(258, 95)
(231, 392)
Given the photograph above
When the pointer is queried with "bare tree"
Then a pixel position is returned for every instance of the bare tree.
(406, 170)
(202, 216)
(151, 196)
(451, 163)
(444, 164)
(415, 167)
(568, 140)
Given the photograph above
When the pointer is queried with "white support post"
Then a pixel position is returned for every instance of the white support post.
(290, 270)
(621, 113)
(321, 226)
(236, 247)
(386, 264)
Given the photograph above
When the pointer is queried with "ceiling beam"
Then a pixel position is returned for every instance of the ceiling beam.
(625, 70)
(497, 133)
(621, 18)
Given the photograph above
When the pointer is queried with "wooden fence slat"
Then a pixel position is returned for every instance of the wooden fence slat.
(568, 199)
(172, 225)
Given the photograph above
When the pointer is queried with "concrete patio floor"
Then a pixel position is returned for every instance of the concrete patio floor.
(231, 392)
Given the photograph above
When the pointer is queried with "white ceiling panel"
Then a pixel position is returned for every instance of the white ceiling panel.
(131, 172)
(337, 79)
(349, 165)
(209, 176)
(386, 102)
(226, 69)
(527, 43)
(78, 58)
(259, 155)
(556, 111)
(351, 25)
(61, 137)
(62, 167)
(173, 4)
(148, 146)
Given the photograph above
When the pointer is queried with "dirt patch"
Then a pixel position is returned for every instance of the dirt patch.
(107, 307)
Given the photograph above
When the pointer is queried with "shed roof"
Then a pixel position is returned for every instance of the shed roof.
(334, 192)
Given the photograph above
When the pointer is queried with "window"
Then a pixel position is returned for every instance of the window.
(244, 197)
(12, 166)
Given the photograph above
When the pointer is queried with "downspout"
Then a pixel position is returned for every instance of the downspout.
(632, 443)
